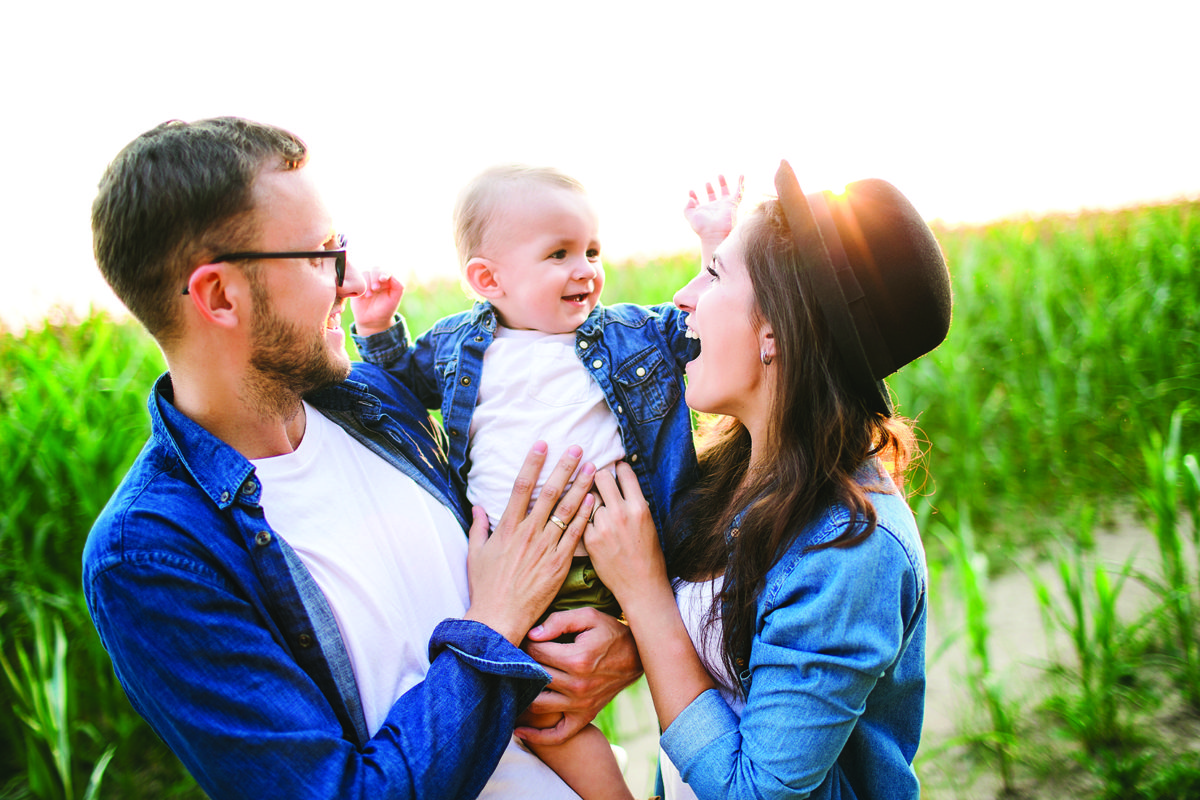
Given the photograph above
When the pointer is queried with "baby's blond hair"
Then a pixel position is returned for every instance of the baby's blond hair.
(479, 202)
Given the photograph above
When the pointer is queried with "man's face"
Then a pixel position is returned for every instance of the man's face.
(297, 341)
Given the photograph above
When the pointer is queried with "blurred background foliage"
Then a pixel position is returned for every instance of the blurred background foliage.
(1069, 380)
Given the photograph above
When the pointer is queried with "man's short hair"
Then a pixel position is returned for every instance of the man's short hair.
(480, 201)
(175, 196)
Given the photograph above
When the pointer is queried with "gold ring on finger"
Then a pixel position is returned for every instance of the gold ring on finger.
(562, 526)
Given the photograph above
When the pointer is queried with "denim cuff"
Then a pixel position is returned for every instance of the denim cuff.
(484, 649)
(386, 347)
(706, 719)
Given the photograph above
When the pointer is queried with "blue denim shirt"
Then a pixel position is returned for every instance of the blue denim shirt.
(225, 644)
(635, 353)
(836, 681)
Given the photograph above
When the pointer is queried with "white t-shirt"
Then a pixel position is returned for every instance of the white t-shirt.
(534, 387)
(694, 601)
(392, 563)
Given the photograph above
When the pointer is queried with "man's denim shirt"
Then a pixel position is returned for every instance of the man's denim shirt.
(835, 687)
(635, 353)
(226, 646)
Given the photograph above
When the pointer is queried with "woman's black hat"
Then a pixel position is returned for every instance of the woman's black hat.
(877, 273)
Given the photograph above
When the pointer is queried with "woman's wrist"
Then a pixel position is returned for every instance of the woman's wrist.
(650, 601)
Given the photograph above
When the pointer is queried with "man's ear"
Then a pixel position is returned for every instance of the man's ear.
(481, 277)
(217, 298)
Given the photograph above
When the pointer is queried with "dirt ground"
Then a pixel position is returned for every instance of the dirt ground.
(1020, 651)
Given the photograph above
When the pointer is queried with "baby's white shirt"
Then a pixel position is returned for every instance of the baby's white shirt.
(534, 387)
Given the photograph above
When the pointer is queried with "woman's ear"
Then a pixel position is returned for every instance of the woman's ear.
(766, 342)
(216, 298)
(481, 277)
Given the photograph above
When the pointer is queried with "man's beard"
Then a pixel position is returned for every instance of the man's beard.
(286, 362)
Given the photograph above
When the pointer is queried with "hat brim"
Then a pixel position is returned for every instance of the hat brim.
(826, 274)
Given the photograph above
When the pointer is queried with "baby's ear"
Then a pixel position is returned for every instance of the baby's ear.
(481, 277)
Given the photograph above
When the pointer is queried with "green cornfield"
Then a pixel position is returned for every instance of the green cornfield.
(1067, 390)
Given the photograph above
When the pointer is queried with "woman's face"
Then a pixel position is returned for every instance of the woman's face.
(728, 377)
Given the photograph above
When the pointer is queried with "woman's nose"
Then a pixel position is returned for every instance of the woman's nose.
(685, 298)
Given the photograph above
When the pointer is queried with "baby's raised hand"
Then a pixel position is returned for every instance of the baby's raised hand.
(712, 221)
(376, 306)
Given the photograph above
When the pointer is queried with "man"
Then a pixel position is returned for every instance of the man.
(280, 580)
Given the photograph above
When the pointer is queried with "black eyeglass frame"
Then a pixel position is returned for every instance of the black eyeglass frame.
(339, 265)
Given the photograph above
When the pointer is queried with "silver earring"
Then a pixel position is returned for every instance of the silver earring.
(766, 359)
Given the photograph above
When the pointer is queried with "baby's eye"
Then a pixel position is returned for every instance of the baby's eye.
(712, 273)
(593, 254)
(559, 255)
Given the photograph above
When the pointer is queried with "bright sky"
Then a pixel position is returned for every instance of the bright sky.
(975, 110)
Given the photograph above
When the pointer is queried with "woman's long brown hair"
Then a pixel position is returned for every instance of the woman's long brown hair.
(820, 435)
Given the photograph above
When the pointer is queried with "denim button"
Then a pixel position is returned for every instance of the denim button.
(249, 486)
(641, 372)
(583, 345)
(224, 497)
(633, 458)
(597, 363)
(262, 538)
(620, 410)
(306, 641)
(465, 381)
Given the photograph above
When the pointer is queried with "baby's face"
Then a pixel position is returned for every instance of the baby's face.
(545, 254)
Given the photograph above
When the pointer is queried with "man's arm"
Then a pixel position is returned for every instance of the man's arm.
(218, 683)
(218, 676)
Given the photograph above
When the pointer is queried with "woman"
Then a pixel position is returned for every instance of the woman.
(801, 580)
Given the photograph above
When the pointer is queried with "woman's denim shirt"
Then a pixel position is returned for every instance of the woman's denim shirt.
(836, 681)
(635, 353)
(225, 644)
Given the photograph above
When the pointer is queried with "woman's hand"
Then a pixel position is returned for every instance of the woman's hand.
(625, 552)
(515, 573)
(623, 541)
(375, 308)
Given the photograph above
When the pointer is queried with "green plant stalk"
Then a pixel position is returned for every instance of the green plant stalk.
(1163, 495)
(40, 684)
(972, 568)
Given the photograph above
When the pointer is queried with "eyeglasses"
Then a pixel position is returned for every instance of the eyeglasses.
(339, 253)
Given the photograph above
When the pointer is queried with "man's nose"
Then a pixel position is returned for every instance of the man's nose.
(353, 284)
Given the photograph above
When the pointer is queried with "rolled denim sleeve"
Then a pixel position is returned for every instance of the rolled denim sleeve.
(832, 623)
(410, 362)
(673, 322)
(219, 683)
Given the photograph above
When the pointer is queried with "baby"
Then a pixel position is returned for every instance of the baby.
(541, 358)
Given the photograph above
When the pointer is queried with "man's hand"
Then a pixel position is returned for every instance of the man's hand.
(515, 572)
(375, 308)
(587, 673)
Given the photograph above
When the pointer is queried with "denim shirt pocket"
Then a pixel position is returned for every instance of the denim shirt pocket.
(647, 385)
